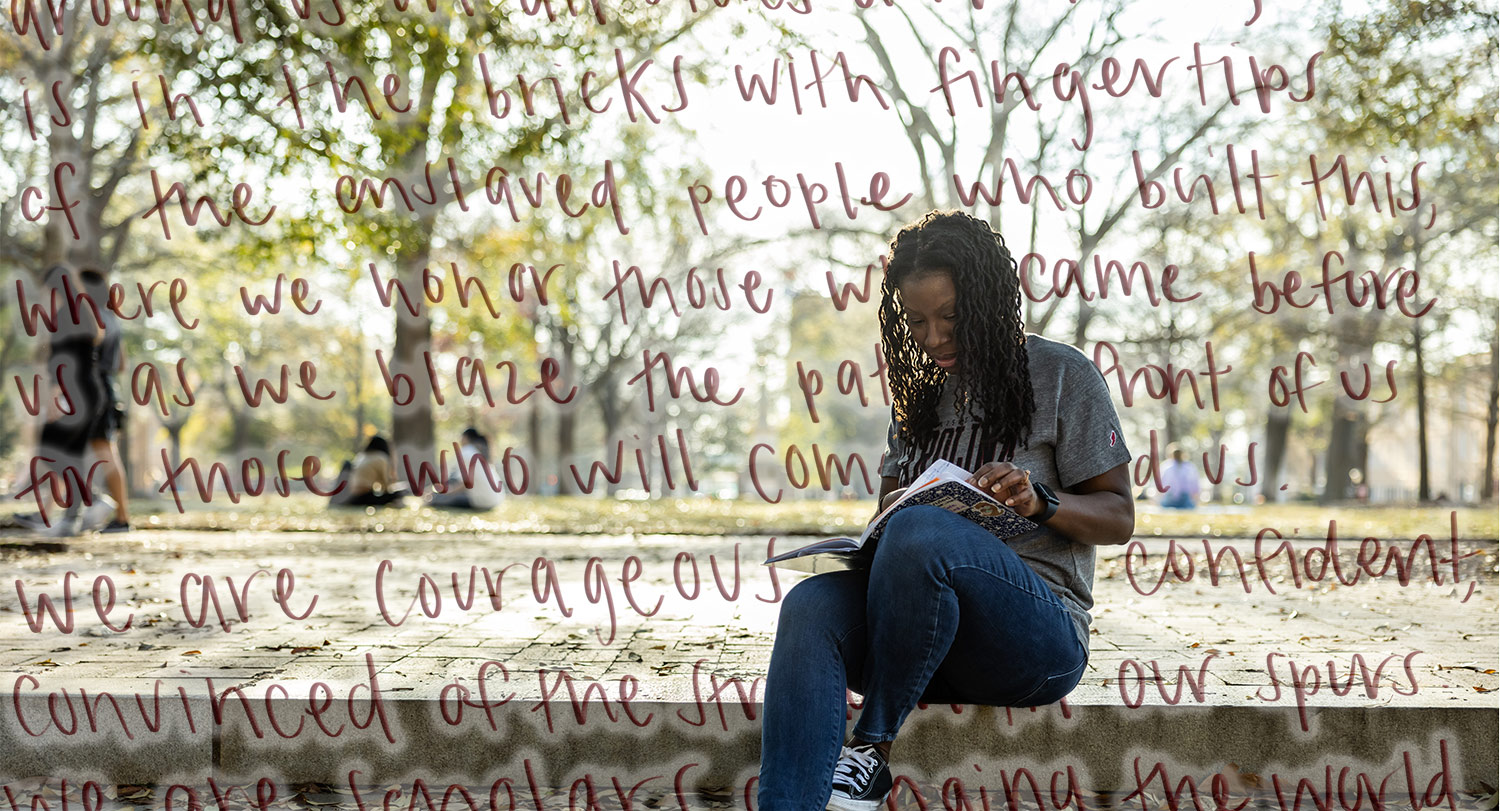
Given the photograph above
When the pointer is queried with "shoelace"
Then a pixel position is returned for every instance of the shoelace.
(857, 766)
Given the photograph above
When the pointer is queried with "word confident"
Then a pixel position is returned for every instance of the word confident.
(1372, 560)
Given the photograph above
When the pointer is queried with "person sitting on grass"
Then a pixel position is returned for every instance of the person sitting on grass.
(1180, 478)
(371, 480)
(474, 459)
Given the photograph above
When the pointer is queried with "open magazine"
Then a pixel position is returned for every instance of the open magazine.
(943, 484)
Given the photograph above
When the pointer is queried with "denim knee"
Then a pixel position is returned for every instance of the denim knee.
(828, 600)
(914, 536)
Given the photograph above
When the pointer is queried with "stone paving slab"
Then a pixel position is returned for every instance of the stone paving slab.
(1290, 664)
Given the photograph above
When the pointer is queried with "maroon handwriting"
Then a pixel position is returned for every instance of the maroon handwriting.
(82, 308)
(613, 474)
(1070, 278)
(352, 193)
(465, 286)
(849, 378)
(1306, 681)
(1376, 786)
(1161, 383)
(427, 595)
(678, 379)
(1153, 193)
(1147, 468)
(829, 467)
(854, 83)
(777, 192)
(1360, 290)
(1069, 85)
(320, 704)
(627, 90)
(1308, 567)
(715, 295)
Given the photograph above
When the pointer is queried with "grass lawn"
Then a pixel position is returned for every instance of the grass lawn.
(706, 516)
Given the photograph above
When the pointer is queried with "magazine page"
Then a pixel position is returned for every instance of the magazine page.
(826, 545)
(820, 562)
(943, 485)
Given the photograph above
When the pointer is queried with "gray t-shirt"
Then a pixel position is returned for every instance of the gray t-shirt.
(1075, 435)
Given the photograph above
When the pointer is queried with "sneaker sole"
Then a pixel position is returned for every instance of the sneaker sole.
(839, 803)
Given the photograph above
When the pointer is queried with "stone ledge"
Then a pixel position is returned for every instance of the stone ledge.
(1107, 746)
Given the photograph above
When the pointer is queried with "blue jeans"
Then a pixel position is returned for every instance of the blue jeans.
(945, 614)
(1179, 500)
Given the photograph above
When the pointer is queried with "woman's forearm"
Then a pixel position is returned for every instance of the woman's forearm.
(890, 490)
(1095, 511)
(1099, 518)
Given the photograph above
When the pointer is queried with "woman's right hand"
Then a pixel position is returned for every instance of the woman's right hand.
(891, 498)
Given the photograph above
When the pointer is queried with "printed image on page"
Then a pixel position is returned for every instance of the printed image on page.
(943, 484)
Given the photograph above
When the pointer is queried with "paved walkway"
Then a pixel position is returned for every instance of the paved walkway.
(1285, 638)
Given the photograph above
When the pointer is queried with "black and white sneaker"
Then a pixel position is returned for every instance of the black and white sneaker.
(861, 780)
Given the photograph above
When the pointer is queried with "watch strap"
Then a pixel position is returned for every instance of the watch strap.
(1050, 503)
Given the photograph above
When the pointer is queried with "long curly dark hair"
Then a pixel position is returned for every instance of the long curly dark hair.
(990, 334)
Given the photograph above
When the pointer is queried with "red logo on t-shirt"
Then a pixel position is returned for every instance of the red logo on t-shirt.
(1113, 438)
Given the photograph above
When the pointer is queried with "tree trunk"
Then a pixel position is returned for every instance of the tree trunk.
(59, 243)
(1347, 451)
(412, 434)
(1424, 483)
(566, 416)
(174, 441)
(1354, 340)
(240, 426)
(1278, 427)
(357, 389)
(1492, 419)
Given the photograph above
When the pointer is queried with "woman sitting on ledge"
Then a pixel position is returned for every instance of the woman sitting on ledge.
(947, 613)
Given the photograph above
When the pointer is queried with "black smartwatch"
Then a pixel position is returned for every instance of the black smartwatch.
(1049, 502)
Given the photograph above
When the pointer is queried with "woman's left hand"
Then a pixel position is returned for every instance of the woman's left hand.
(1009, 485)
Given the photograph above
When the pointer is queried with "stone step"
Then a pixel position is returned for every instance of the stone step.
(449, 736)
